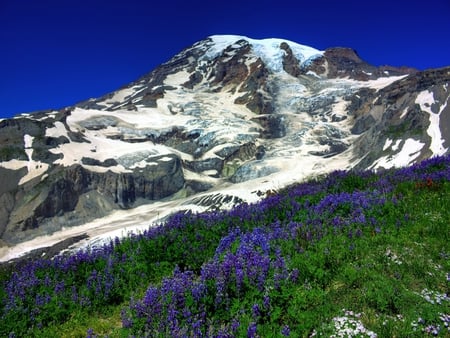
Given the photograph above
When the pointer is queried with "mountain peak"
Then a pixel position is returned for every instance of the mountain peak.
(219, 123)
(269, 50)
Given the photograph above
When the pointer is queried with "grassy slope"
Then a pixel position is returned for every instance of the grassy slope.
(363, 251)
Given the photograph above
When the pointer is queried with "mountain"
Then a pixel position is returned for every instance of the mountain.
(225, 121)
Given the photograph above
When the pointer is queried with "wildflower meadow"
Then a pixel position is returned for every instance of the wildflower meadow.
(350, 254)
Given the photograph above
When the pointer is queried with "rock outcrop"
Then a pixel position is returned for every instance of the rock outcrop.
(339, 62)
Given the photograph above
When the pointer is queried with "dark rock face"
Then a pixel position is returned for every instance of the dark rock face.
(290, 63)
(110, 162)
(152, 95)
(215, 164)
(229, 68)
(363, 124)
(341, 62)
(258, 94)
(62, 192)
(273, 126)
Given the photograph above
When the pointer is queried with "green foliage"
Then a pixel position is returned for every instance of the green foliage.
(8, 153)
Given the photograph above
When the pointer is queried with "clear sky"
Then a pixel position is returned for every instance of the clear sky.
(55, 53)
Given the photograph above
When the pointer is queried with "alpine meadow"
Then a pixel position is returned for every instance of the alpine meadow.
(348, 254)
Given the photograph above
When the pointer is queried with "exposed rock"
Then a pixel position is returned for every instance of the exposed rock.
(227, 152)
(341, 62)
(251, 171)
(100, 122)
(230, 67)
(255, 86)
(274, 126)
(363, 124)
(212, 163)
(260, 152)
(216, 201)
(110, 162)
(194, 79)
(151, 96)
(10, 152)
(193, 186)
(290, 63)
(396, 116)
(334, 148)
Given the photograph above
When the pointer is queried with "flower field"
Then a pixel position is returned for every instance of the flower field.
(351, 254)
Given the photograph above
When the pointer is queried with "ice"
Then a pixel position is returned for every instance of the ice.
(267, 49)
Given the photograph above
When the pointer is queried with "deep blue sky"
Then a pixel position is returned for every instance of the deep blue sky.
(55, 53)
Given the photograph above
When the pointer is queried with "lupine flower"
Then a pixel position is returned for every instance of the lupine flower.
(255, 311)
(251, 331)
(90, 333)
(286, 331)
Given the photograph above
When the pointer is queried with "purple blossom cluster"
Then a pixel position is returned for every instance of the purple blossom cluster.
(188, 305)
(43, 284)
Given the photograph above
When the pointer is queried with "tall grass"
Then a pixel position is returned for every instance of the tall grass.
(350, 254)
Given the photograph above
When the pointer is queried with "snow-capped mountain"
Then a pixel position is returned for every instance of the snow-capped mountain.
(222, 122)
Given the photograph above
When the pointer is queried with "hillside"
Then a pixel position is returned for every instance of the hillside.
(351, 253)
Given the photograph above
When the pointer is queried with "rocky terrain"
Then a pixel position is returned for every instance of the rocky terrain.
(223, 122)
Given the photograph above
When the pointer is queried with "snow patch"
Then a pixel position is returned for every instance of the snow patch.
(177, 78)
(120, 95)
(166, 159)
(425, 99)
(404, 112)
(410, 151)
(58, 130)
(35, 169)
(103, 148)
(28, 141)
(382, 82)
(387, 144)
(14, 164)
(310, 72)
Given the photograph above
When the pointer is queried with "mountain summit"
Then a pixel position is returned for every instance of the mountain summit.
(222, 122)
